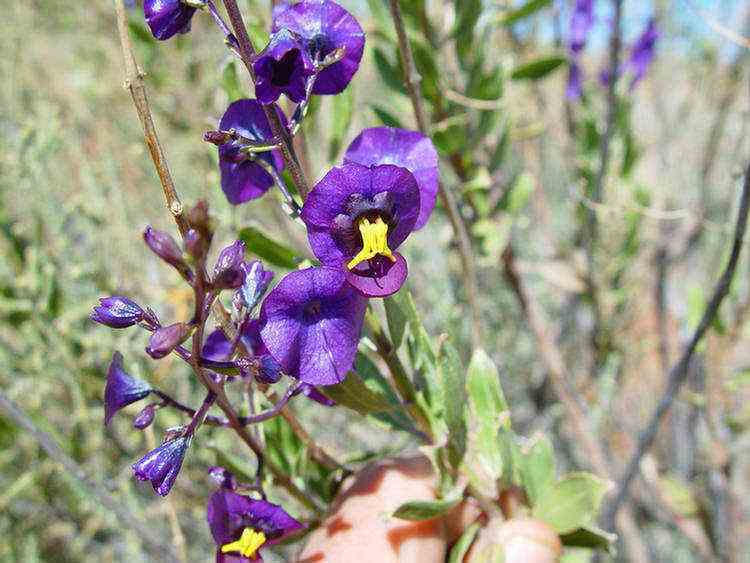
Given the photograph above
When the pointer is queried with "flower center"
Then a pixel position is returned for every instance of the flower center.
(374, 241)
(247, 545)
(284, 68)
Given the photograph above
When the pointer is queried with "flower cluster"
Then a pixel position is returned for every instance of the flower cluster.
(308, 326)
(642, 52)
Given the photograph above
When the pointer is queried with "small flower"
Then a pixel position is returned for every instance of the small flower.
(228, 271)
(282, 68)
(162, 465)
(407, 149)
(121, 389)
(257, 279)
(165, 247)
(167, 338)
(581, 21)
(263, 367)
(242, 179)
(325, 26)
(223, 477)
(117, 312)
(574, 88)
(241, 526)
(167, 18)
(311, 323)
(642, 52)
(356, 218)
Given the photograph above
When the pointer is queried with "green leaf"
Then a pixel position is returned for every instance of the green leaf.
(354, 394)
(283, 446)
(416, 510)
(397, 320)
(461, 547)
(591, 537)
(538, 468)
(485, 393)
(425, 354)
(573, 502)
(524, 11)
(230, 81)
(518, 196)
(538, 69)
(341, 117)
(269, 250)
(386, 117)
(388, 71)
(451, 373)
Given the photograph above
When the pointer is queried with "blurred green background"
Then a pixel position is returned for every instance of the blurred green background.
(77, 189)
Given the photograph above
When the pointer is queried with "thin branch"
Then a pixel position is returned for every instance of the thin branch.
(75, 471)
(446, 196)
(552, 358)
(598, 331)
(680, 370)
(135, 84)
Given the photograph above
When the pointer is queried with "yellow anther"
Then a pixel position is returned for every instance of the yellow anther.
(247, 545)
(374, 242)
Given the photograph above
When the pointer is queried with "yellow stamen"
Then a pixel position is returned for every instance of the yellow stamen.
(374, 242)
(247, 545)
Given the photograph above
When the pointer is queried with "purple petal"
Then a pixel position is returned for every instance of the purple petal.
(325, 26)
(167, 18)
(282, 68)
(311, 324)
(407, 149)
(574, 88)
(162, 465)
(330, 196)
(581, 21)
(121, 389)
(380, 285)
(216, 346)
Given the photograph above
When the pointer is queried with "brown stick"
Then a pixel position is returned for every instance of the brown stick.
(135, 85)
(553, 361)
(446, 196)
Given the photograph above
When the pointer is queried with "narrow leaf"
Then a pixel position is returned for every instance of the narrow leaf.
(396, 321)
(269, 250)
(538, 468)
(416, 510)
(354, 394)
(452, 380)
(524, 11)
(461, 547)
(538, 69)
(591, 537)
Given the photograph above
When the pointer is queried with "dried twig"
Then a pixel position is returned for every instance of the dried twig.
(680, 370)
(553, 361)
(446, 196)
(134, 83)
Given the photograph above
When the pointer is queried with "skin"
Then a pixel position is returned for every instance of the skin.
(360, 530)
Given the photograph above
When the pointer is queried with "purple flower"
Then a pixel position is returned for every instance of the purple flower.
(144, 418)
(282, 68)
(313, 394)
(581, 21)
(241, 526)
(356, 218)
(575, 81)
(167, 18)
(228, 271)
(218, 348)
(256, 282)
(311, 323)
(121, 389)
(241, 178)
(325, 26)
(642, 52)
(167, 338)
(407, 149)
(117, 312)
(162, 465)
(165, 247)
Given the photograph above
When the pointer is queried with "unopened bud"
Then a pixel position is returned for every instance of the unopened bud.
(144, 418)
(167, 338)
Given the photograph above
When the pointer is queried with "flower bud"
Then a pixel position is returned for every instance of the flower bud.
(162, 465)
(256, 282)
(166, 338)
(228, 273)
(117, 312)
(165, 247)
(196, 245)
(121, 389)
(199, 219)
(144, 418)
